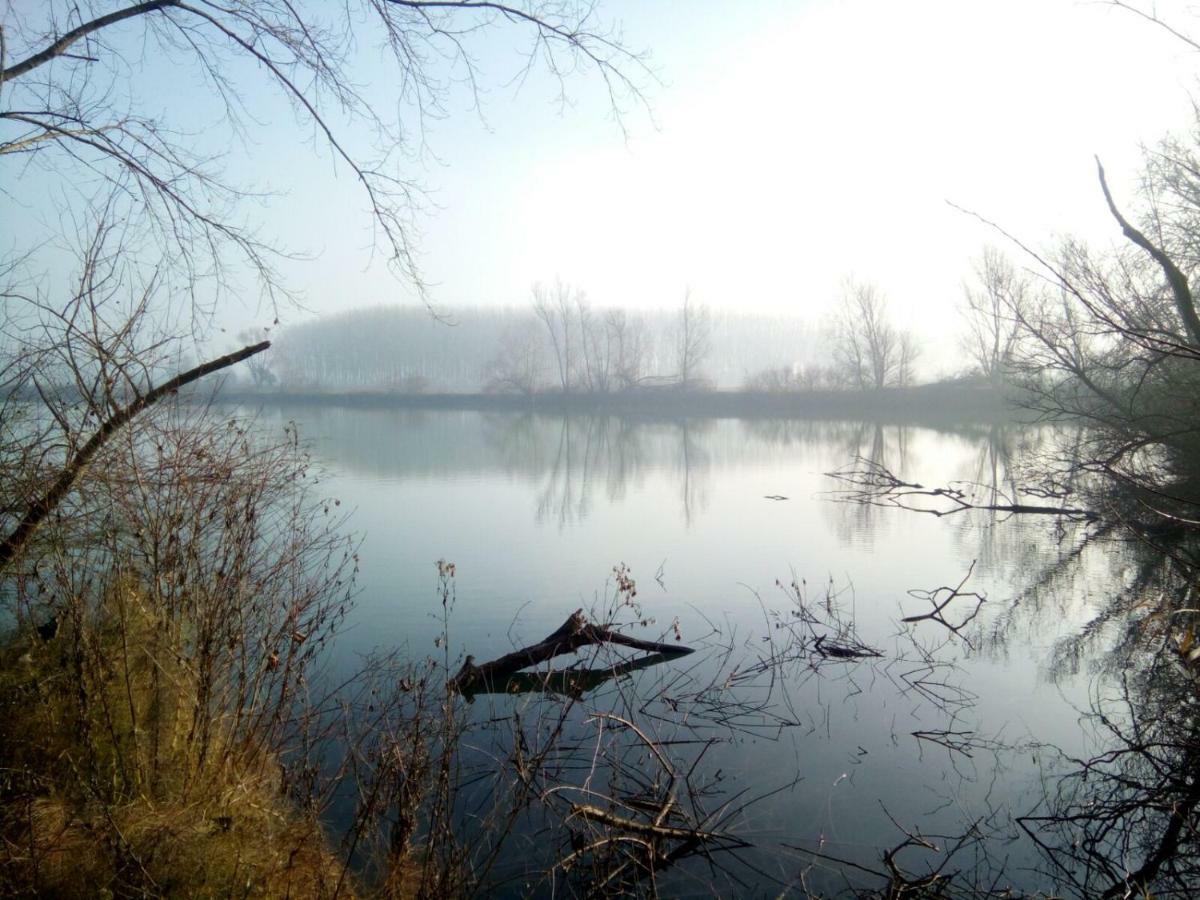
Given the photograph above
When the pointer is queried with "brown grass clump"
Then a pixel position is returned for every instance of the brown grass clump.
(106, 791)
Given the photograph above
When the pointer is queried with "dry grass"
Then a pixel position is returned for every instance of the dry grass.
(104, 791)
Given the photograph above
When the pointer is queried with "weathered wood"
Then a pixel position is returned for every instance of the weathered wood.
(843, 649)
(573, 634)
(653, 829)
(571, 682)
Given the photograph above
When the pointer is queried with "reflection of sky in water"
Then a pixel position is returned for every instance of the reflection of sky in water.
(535, 512)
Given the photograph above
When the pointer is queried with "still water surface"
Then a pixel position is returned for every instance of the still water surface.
(535, 511)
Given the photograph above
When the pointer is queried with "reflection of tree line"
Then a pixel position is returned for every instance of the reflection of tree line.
(877, 444)
(1107, 570)
(571, 457)
(1125, 817)
(616, 451)
(612, 452)
(989, 477)
(996, 476)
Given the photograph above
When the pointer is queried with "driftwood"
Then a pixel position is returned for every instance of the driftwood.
(650, 829)
(843, 649)
(504, 674)
(572, 682)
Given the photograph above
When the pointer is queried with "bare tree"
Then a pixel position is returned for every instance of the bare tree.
(906, 364)
(595, 345)
(1114, 342)
(555, 309)
(630, 346)
(65, 64)
(589, 349)
(520, 365)
(613, 349)
(693, 341)
(994, 306)
(869, 351)
(259, 366)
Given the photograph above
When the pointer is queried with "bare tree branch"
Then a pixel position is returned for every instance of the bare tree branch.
(16, 540)
(1184, 302)
(60, 46)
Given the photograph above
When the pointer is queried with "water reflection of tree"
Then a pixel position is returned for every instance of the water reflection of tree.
(1125, 822)
(588, 450)
(693, 464)
(995, 473)
(517, 442)
(994, 463)
(626, 458)
(571, 456)
(565, 495)
(803, 433)
(1121, 576)
(875, 444)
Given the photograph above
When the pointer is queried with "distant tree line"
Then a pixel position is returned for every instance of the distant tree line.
(562, 343)
(559, 343)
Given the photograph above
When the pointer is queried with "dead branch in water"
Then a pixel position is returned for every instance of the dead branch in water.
(573, 634)
(835, 649)
(940, 598)
(653, 829)
(572, 682)
(871, 484)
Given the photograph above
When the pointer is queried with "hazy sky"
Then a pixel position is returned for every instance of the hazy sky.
(789, 144)
(792, 144)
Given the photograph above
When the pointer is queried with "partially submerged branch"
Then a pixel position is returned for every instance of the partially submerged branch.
(572, 682)
(942, 597)
(650, 829)
(871, 484)
(573, 634)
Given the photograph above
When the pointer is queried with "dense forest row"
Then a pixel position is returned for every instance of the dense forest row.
(511, 350)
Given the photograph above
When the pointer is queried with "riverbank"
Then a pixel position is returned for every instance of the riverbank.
(108, 788)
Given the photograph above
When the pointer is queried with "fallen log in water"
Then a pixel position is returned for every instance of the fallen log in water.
(576, 632)
(571, 682)
(651, 829)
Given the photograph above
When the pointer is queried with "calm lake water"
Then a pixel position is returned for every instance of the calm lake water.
(535, 512)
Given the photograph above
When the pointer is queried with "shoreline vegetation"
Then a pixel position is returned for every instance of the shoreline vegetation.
(957, 401)
(110, 794)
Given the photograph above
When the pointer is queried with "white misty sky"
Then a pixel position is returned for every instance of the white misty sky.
(789, 145)
(792, 144)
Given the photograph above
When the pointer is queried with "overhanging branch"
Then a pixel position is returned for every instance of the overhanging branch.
(16, 540)
(1180, 290)
(59, 47)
